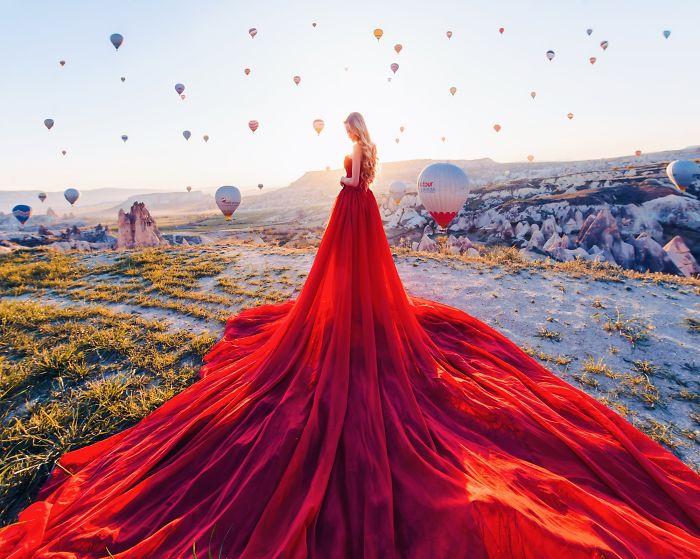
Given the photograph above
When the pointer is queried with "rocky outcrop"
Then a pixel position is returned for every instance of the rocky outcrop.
(681, 256)
(651, 256)
(137, 229)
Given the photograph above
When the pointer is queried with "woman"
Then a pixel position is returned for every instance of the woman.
(357, 421)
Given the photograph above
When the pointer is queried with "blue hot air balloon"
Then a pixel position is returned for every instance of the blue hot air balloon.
(72, 195)
(187, 134)
(179, 88)
(685, 175)
(116, 40)
(667, 33)
(22, 213)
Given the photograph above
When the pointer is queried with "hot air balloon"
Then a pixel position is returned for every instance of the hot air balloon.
(179, 88)
(449, 34)
(189, 189)
(252, 32)
(205, 137)
(116, 39)
(123, 79)
(396, 140)
(247, 71)
(183, 96)
(443, 189)
(589, 31)
(604, 45)
(401, 128)
(125, 138)
(398, 47)
(570, 116)
(260, 186)
(297, 79)
(397, 189)
(388, 79)
(443, 138)
(72, 195)
(667, 33)
(318, 125)
(683, 174)
(592, 59)
(228, 198)
(378, 33)
(453, 90)
(187, 134)
(501, 30)
(550, 55)
(63, 152)
(22, 213)
(313, 24)
(530, 158)
(394, 67)
(533, 94)
(253, 125)
(638, 152)
(63, 62)
(42, 196)
(497, 127)
(48, 123)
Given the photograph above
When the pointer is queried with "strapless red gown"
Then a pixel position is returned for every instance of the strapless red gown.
(359, 422)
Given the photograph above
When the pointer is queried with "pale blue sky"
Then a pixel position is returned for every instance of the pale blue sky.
(641, 94)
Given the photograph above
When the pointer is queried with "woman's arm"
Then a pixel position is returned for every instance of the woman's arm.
(354, 181)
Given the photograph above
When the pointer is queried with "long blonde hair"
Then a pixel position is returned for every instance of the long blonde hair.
(358, 127)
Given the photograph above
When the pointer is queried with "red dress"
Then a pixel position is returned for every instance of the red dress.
(356, 421)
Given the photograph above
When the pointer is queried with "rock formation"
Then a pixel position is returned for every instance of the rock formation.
(681, 256)
(137, 229)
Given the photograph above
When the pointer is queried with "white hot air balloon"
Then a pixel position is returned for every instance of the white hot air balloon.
(443, 188)
(396, 190)
(684, 174)
(72, 195)
(228, 198)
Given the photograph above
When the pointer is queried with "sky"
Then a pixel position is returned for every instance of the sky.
(640, 94)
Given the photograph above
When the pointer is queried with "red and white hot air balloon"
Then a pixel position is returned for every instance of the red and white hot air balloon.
(252, 32)
(253, 125)
(247, 71)
(604, 45)
(228, 198)
(394, 67)
(398, 47)
(449, 34)
(318, 125)
(497, 127)
(443, 189)
(592, 60)
(297, 79)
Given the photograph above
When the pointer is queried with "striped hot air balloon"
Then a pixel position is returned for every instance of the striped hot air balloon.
(253, 125)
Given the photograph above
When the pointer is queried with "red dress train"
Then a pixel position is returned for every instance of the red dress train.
(356, 421)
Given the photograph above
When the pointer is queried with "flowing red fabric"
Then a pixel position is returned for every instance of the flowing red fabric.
(359, 422)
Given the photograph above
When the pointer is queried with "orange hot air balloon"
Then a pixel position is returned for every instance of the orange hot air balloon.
(378, 33)
(453, 90)
(398, 47)
(592, 60)
(247, 71)
(497, 127)
(318, 125)
(501, 30)
(638, 152)
(530, 158)
(449, 34)
(297, 79)
(570, 116)
(253, 125)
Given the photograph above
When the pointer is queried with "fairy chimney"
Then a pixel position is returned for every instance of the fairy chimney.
(137, 229)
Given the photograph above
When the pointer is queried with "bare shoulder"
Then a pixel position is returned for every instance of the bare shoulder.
(356, 151)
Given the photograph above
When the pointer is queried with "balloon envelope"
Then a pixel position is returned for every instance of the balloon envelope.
(453, 90)
(604, 45)
(530, 158)
(378, 33)
(570, 116)
(260, 186)
(501, 30)
(318, 125)
(247, 71)
(189, 189)
(497, 127)
(123, 79)
(683, 174)
(252, 32)
(125, 138)
(667, 33)
(205, 137)
(394, 67)
(72, 195)
(179, 88)
(187, 134)
(533, 94)
(550, 55)
(48, 123)
(449, 34)
(116, 39)
(22, 213)
(63, 62)
(42, 196)
(297, 80)
(398, 47)
(443, 188)
(638, 152)
(253, 125)
(589, 31)
(401, 128)
(228, 198)
(592, 59)
(396, 190)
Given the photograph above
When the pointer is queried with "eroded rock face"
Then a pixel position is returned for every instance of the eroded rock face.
(680, 254)
(137, 229)
(651, 256)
